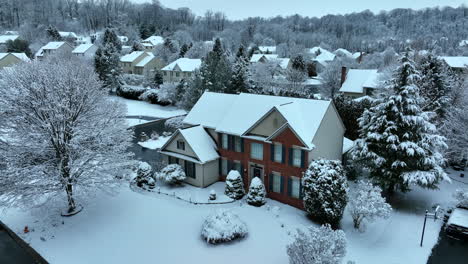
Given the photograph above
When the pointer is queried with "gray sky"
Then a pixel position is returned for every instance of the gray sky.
(238, 9)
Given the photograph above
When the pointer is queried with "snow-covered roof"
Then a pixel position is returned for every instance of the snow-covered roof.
(325, 56)
(82, 48)
(463, 43)
(265, 49)
(155, 40)
(348, 144)
(145, 60)
(184, 64)
(236, 114)
(459, 217)
(283, 62)
(456, 61)
(356, 55)
(343, 52)
(11, 32)
(357, 79)
(123, 39)
(200, 141)
(21, 56)
(65, 34)
(131, 57)
(53, 45)
(5, 38)
(258, 57)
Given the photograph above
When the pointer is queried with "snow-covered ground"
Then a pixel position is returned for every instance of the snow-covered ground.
(135, 121)
(133, 227)
(154, 144)
(140, 108)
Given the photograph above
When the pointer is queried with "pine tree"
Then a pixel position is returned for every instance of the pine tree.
(136, 46)
(183, 50)
(257, 193)
(110, 37)
(19, 46)
(397, 142)
(144, 32)
(106, 63)
(53, 33)
(193, 91)
(180, 89)
(216, 69)
(299, 63)
(234, 185)
(239, 81)
(324, 190)
(158, 79)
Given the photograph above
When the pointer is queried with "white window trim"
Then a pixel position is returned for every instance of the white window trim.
(297, 159)
(298, 180)
(276, 153)
(253, 154)
(276, 182)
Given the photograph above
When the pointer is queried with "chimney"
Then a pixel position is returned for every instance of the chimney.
(343, 75)
(360, 57)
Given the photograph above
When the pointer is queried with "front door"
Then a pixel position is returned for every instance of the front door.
(256, 171)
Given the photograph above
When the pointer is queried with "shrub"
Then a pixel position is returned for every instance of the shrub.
(145, 176)
(462, 198)
(172, 174)
(256, 195)
(167, 94)
(175, 123)
(234, 185)
(325, 191)
(133, 79)
(223, 226)
(150, 96)
(130, 92)
(320, 245)
(212, 195)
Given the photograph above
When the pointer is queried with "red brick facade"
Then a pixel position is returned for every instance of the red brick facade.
(288, 139)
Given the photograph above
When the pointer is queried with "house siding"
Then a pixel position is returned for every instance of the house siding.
(9, 60)
(267, 126)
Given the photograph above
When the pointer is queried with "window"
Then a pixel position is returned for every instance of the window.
(295, 187)
(276, 182)
(296, 162)
(278, 156)
(165, 73)
(177, 74)
(180, 145)
(237, 166)
(237, 144)
(224, 167)
(224, 141)
(256, 151)
(173, 160)
(189, 169)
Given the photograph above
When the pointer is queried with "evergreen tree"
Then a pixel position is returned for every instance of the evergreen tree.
(299, 63)
(239, 81)
(193, 91)
(180, 89)
(324, 190)
(257, 193)
(397, 142)
(106, 63)
(110, 37)
(183, 50)
(19, 46)
(234, 185)
(158, 79)
(216, 69)
(53, 33)
(136, 46)
(144, 32)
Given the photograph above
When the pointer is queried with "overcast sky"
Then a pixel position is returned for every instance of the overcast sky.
(238, 9)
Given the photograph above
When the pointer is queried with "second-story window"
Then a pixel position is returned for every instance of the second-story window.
(256, 151)
(278, 153)
(224, 141)
(237, 144)
(296, 157)
(180, 145)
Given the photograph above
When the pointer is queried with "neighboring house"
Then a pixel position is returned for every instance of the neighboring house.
(321, 57)
(358, 83)
(10, 59)
(140, 62)
(150, 43)
(180, 69)
(53, 47)
(463, 43)
(343, 53)
(458, 63)
(85, 51)
(5, 38)
(263, 57)
(68, 35)
(270, 137)
(267, 49)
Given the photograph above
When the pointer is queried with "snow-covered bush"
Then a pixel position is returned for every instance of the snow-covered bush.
(150, 96)
(143, 137)
(131, 92)
(133, 79)
(223, 226)
(257, 193)
(166, 133)
(234, 185)
(172, 174)
(154, 135)
(212, 195)
(366, 203)
(145, 176)
(167, 94)
(320, 245)
(462, 197)
(175, 123)
(325, 191)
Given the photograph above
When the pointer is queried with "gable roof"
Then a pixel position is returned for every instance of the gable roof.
(53, 45)
(155, 40)
(145, 60)
(284, 62)
(5, 38)
(324, 56)
(343, 52)
(264, 49)
(199, 140)
(184, 64)
(82, 48)
(236, 114)
(456, 61)
(22, 56)
(65, 34)
(258, 57)
(131, 57)
(357, 79)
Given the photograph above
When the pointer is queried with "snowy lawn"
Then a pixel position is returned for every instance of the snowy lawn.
(136, 227)
(154, 144)
(135, 121)
(140, 108)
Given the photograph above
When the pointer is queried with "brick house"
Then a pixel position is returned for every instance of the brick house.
(270, 137)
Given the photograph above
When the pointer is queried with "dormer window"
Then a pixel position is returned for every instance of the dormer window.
(180, 145)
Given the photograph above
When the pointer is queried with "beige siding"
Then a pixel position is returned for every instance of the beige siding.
(205, 174)
(9, 60)
(354, 95)
(213, 134)
(328, 140)
(175, 76)
(269, 124)
(172, 146)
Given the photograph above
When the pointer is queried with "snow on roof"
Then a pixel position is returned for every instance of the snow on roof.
(184, 64)
(145, 60)
(459, 217)
(53, 45)
(325, 56)
(236, 114)
(3, 55)
(65, 34)
(5, 38)
(266, 49)
(283, 62)
(348, 144)
(313, 81)
(356, 55)
(343, 52)
(201, 143)
(82, 48)
(463, 43)
(131, 57)
(22, 56)
(11, 32)
(123, 38)
(257, 57)
(155, 40)
(456, 62)
(357, 79)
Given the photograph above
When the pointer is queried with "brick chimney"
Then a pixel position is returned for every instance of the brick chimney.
(343, 75)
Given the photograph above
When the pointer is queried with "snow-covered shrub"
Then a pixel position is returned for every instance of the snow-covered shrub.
(143, 137)
(150, 96)
(131, 92)
(167, 94)
(175, 123)
(172, 174)
(133, 79)
(320, 245)
(325, 191)
(145, 176)
(234, 185)
(257, 193)
(212, 195)
(462, 198)
(223, 226)
(154, 135)
(366, 203)
(166, 134)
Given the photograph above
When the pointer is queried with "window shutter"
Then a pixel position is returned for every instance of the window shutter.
(242, 170)
(242, 144)
(220, 166)
(282, 184)
(290, 158)
(186, 168)
(300, 189)
(194, 170)
(283, 154)
(289, 186)
(272, 152)
(270, 182)
(302, 158)
(177, 144)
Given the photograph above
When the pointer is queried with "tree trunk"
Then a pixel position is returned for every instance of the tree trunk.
(71, 201)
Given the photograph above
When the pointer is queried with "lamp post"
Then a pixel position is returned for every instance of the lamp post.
(428, 215)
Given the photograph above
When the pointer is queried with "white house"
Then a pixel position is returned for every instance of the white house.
(180, 69)
(321, 57)
(68, 35)
(358, 82)
(267, 49)
(5, 38)
(457, 63)
(85, 51)
(10, 59)
(53, 47)
(150, 43)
